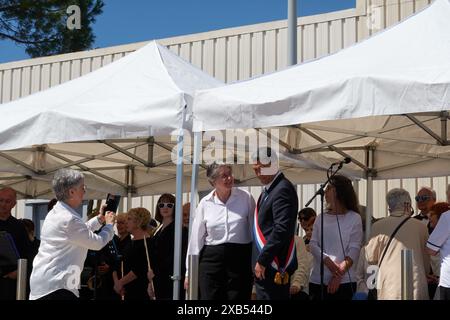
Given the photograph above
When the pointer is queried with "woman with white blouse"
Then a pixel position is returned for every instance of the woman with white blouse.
(221, 236)
(342, 242)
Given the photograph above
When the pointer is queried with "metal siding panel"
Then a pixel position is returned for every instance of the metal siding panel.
(65, 71)
(86, 66)
(107, 59)
(281, 48)
(233, 59)
(393, 183)
(309, 42)
(257, 60)
(1, 86)
(406, 8)
(208, 57)
(299, 44)
(440, 186)
(379, 199)
(349, 32)
(197, 55)
(117, 56)
(96, 63)
(35, 78)
(322, 39)
(220, 59)
(185, 51)
(270, 51)
(392, 12)
(245, 56)
(6, 90)
(26, 82)
(362, 192)
(55, 74)
(75, 71)
(363, 29)
(16, 83)
(420, 4)
(335, 36)
(175, 48)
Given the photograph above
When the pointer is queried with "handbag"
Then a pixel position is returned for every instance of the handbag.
(372, 295)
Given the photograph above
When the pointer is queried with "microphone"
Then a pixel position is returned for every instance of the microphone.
(344, 161)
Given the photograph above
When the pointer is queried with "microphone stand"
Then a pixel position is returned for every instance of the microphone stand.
(321, 192)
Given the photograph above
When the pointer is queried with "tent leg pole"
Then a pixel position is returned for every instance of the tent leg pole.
(193, 268)
(292, 33)
(178, 219)
(369, 194)
(130, 183)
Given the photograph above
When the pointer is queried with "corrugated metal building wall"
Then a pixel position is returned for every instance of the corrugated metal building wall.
(237, 54)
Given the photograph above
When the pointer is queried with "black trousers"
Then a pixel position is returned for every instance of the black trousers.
(444, 293)
(345, 292)
(61, 294)
(225, 272)
(267, 289)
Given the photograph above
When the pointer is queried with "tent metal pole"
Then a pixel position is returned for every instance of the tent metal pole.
(130, 183)
(292, 33)
(193, 266)
(369, 194)
(176, 277)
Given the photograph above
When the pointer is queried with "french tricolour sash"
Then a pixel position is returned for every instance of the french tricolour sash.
(281, 276)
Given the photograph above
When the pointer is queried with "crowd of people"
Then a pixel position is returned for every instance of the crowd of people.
(247, 249)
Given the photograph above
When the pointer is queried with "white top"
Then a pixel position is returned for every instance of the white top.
(217, 223)
(65, 240)
(440, 241)
(351, 231)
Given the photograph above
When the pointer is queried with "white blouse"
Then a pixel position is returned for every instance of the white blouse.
(65, 240)
(351, 232)
(217, 223)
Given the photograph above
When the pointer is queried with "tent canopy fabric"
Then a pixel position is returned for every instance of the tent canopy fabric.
(114, 124)
(383, 102)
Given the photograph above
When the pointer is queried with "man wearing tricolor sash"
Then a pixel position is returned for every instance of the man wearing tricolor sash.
(274, 255)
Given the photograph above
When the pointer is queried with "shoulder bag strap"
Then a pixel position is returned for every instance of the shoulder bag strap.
(390, 239)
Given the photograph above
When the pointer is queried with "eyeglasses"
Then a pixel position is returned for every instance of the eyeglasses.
(422, 198)
(164, 204)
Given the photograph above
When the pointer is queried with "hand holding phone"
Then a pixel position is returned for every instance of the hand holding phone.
(112, 203)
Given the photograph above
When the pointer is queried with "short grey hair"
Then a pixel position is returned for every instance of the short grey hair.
(212, 172)
(64, 180)
(397, 198)
(433, 193)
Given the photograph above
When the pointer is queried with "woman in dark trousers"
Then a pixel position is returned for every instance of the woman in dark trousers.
(221, 236)
(162, 249)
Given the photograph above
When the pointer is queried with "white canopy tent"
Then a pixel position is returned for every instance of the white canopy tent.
(383, 102)
(114, 123)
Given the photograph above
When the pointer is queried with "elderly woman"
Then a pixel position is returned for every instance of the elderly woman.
(221, 235)
(65, 240)
(342, 232)
(133, 285)
(162, 248)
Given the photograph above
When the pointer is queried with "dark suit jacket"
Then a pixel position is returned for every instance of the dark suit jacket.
(277, 217)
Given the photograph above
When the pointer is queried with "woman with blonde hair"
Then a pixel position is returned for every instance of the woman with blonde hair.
(135, 282)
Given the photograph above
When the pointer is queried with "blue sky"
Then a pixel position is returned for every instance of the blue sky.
(140, 20)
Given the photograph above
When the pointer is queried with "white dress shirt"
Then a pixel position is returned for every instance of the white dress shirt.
(440, 241)
(351, 231)
(65, 240)
(216, 222)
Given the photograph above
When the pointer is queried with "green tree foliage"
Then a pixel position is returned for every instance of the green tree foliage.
(41, 25)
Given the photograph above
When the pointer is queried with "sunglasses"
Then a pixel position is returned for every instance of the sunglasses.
(164, 204)
(422, 198)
